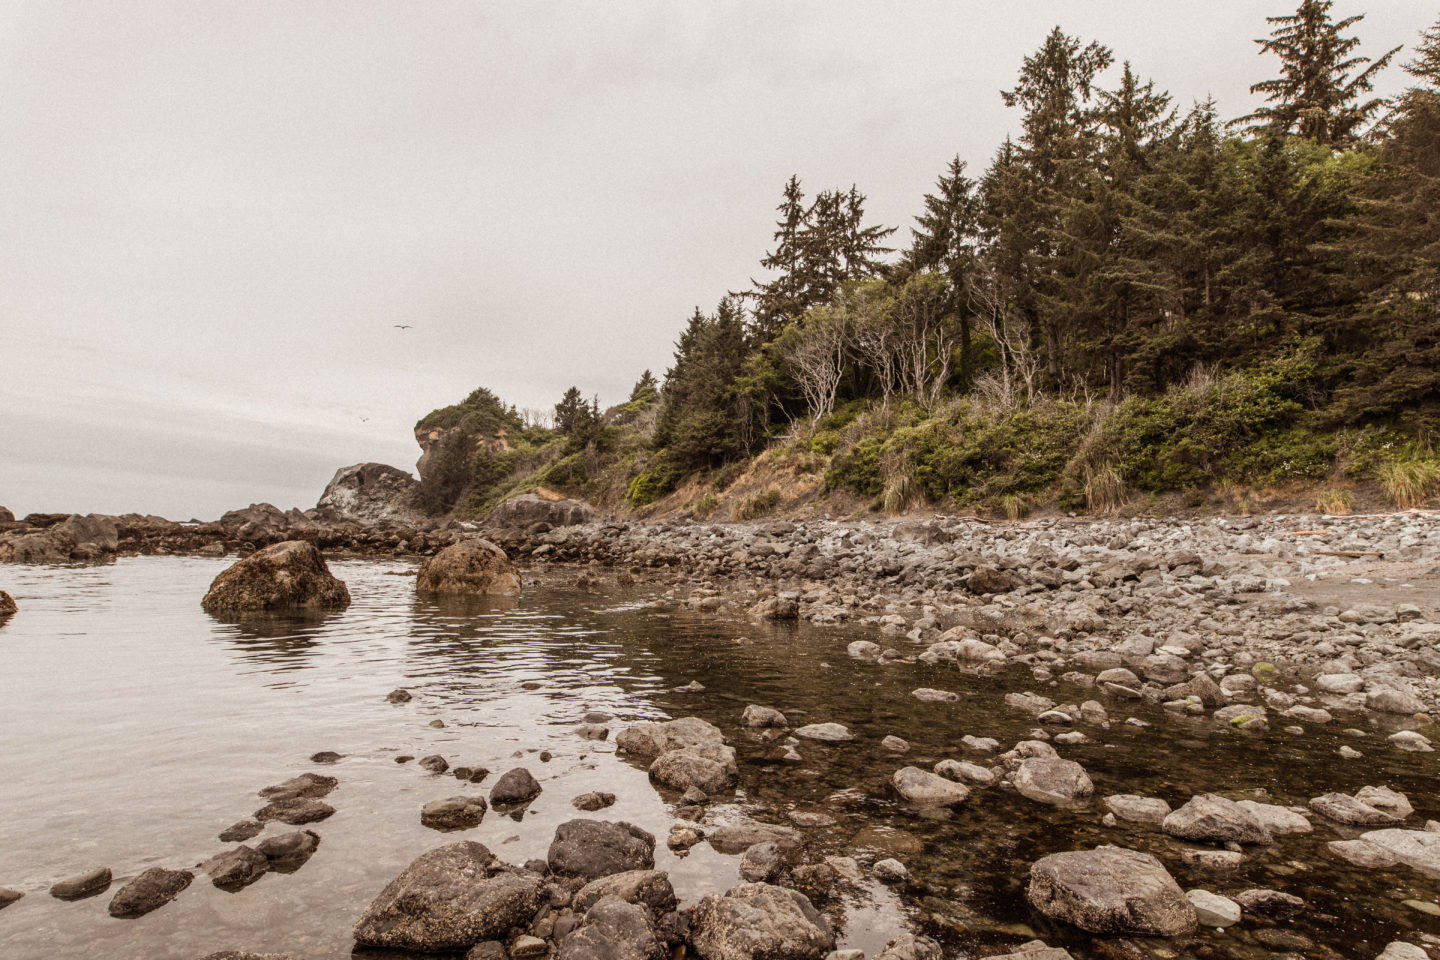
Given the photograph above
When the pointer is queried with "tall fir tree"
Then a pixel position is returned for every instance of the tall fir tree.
(947, 238)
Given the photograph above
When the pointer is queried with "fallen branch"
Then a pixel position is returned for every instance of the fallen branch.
(1351, 554)
(1303, 533)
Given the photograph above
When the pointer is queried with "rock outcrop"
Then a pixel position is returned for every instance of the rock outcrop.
(285, 576)
(472, 567)
(371, 492)
(760, 920)
(542, 507)
(75, 538)
(450, 898)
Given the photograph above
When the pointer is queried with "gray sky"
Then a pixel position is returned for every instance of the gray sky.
(211, 214)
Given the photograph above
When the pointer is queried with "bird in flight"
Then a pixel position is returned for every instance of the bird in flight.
(402, 326)
(364, 419)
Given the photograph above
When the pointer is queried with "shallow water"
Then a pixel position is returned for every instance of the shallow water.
(136, 727)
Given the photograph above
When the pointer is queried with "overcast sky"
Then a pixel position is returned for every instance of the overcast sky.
(213, 214)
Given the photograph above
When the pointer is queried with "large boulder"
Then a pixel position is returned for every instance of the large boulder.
(473, 567)
(653, 739)
(926, 789)
(544, 507)
(613, 930)
(649, 887)
(1111, 890)
(86, 538)
(592, 849)
(1210, 818)
(371, 492)
(284, 576)
(449, 899)
(711, 768)
(759, 920)
(1053, 781)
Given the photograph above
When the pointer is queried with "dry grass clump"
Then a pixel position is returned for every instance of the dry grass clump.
(1014, 505)
(759, 504)
(1104, 489)
(1333, 502)
(901, 489)
(1410, 483)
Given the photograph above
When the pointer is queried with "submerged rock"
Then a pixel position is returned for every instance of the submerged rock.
(597, 848)
(759, 920)
(295, 812)
(453, 813)
(150, 891)
(825, 732)
(597, 800)
(82, 885)
(448, 899)
(1111, 890)
(242, 830)
(472, 567)
(287, 852)
(926, 789)
(1210, 818)
(286, 575)
(1127, 806)
(305, 785)
(1053, 781)
(758, 716)
(236, 868)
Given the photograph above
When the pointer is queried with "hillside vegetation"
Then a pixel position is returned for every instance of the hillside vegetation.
(1135, 306)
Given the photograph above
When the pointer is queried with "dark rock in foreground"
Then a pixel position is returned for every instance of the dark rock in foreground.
(1111, 890)
(150, 891)
(8, 896)
(449, 899)
(287, 575)
(287, 852)
(597, 848)
(242, 955)
(82, 885)
(760, 920)
(649, 887)
(236, 868)
(295, 812)
(613, 929)
(473, 567)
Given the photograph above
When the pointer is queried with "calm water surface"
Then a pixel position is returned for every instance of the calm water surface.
(134, 728)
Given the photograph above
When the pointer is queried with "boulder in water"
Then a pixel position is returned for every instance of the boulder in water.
(1111, 890)
(597, 848)
(473, 567)
(286, 575)
(760, 920)
(150, 891)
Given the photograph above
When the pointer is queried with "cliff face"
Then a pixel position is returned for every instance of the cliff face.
(372, 492)
(434, 440)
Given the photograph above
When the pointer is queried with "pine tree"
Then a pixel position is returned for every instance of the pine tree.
(947, 238)
(1316, 95)
(786, 296)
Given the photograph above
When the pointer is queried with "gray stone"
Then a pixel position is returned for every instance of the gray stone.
(1111, 890)
(758, 716)
(1213, 910)
(150, 891)
(1279, 821)
(597, 848)
(1209, 818)
(295, 812)
(286, 575)
(1138, 809)
(923, 788)
(612, 929)
(756, 920)
(1053, 781)
(305, 785)
(236, 868)
(516, 786)
(597, 800)
(82, 885)
(453, 813)
(448, 899)
(648, 887)
(472, 567)
(825, 732)
(653, 739)
(1343, 808)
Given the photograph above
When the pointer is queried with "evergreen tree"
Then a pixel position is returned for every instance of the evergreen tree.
(701, 421)
(572, 414)
(947, 238)
(1318, 95)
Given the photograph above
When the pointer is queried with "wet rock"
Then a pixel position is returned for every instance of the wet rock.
(305, 785)
(399, 695)
(597, 800)
(1209, 818)
(653, 739)
(150, 891)
(1036, 950)
(288, 852)
(1213, 910)
(762, 863)
(448, 899)
(1417, 849)
(1056, 782)
(1411, 741)
(295, 812)
(775, 608)
(931, 695)
(1389, 699)
(1212, 859)
(326, 756)
(470, 774)
(286, 575)
(612, 929)
(1279, 821)
(454, 813)
(758, 716)
(515, 787)
(1202, 687)
(435, 763)
(1031, 703)
(895, 744)
(526, 947)
(8, 606)
(8, 896)
(864, 650)
(1385, 800)
(759, 920)
(472, 567)
(236, 868)
(908, 946)
(650, 888)
(980, 744)
(710, 768)
(890, 870)
(734, 838)
(597, 848)
(1343, 808)
(1111, 890)
(82, 885)
(1400, 950)
(825, 732)
(926, 789)
(1269, 903)
(487, 950)
(87, 538)
(1362, 853)
(1138, 809)
(246, 955)
(682, 837)
(592, 731)
(962, 771)
(816, 880)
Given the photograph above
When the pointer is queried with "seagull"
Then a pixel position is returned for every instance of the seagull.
(364, 419)
(402, 326)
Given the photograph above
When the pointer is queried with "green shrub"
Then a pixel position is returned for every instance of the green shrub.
(652, 483)
(1410, 482)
